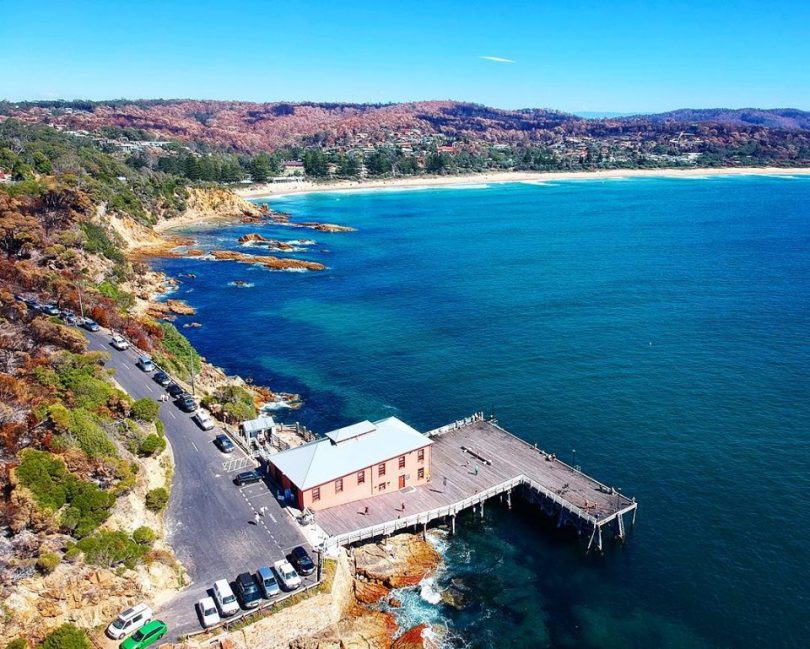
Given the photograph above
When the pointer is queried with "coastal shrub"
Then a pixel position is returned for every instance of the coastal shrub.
(160, 428)
(67, 636)
(114, 292)
(144, 535)
(177, 354)
(17, 643)
(110, 548)
(157, 499)
(237, 402)
(145, 410)
(85, 427)
(45, 476)
(97, 241)
(46, 563)
(152, 444)
(52, 487)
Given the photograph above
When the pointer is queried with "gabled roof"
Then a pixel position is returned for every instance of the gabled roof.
(258, 424)
(347, 450)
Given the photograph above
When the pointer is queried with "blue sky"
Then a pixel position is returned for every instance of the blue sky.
(575, 56)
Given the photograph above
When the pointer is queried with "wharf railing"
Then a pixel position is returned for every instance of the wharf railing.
(389, 527)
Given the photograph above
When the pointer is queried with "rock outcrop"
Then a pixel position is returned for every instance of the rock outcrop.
(403, 560)
(273, 263)
(325, 227)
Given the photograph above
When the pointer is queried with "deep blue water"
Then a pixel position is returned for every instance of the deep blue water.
(660, 327)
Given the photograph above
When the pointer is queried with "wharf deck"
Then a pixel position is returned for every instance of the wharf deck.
(472, 461)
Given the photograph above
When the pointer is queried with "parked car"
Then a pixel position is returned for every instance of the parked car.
(128, 621)
(90, 324)
(186, 403)
(145, 363)
(162, 379)
(302, 561)
(267, 582)
(70, 318)
(224, 443)
(286, 574)
(174, 390)
(248, 590)
(247, 477)
(203, 419)
(49, 309)
(225, 598)
(146, 635)
(119, 343)
(207, 610)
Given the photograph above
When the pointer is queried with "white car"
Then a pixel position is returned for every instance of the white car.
(208, 612)
(203, 419)
(225, 598)
(129, 620)
(286, 575)
(119, 343)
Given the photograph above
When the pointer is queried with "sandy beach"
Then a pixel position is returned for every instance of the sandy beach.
(303, 186)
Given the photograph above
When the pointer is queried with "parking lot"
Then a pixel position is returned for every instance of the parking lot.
(211, 523)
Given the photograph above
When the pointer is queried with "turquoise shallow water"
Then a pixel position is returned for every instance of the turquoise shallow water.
(660, 327)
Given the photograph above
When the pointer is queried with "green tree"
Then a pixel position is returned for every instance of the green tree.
(152, 444)
(157, 499)
(145, 410)
(66, 636)
(260, 168)
(315, 163)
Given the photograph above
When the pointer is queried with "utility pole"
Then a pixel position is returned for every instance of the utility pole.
(81, 306)
(191, 371)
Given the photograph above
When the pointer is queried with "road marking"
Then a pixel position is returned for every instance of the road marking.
(149, 387)
(273, 517)
(195, 447)
(171, 414)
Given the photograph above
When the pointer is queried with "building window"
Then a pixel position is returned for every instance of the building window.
(381, 469)
(401, 461)
(421, 474)
(361, 477)
(420, 455)
(316, 494)
(338, 485)
(382, 486)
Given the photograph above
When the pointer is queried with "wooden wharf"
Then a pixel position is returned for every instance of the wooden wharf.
(474, 459)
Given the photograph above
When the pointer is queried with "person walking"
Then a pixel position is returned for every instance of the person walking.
(256, 517)
(444, 482)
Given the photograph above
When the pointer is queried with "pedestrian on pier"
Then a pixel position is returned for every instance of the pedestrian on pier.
(256, 517)
(444, 481)
(365, 511)
(262, 510)
(403, 505)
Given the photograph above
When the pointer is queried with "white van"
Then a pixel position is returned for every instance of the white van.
(129, 620)
(225, 598)
(203, 419)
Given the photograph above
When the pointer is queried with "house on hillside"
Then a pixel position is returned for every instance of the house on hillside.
(353, 463)
(293, 168)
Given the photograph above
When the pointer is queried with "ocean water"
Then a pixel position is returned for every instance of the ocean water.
(658, 326)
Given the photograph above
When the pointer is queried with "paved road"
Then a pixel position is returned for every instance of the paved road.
(210, 522)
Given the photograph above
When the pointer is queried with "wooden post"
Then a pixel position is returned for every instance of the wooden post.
(633, 522)
(482, 509)
(599, 543)
(424, 531)
(509, 499)
(453, 525)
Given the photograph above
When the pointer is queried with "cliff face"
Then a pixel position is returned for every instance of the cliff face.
(210, 203)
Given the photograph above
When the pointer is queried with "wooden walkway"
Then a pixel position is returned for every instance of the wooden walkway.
(474, 460)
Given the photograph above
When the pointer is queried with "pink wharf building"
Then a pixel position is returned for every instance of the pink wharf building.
(352, 463)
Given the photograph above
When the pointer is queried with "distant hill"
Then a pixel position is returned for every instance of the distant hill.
(785, 118)
(252, 126)
(717, 136)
